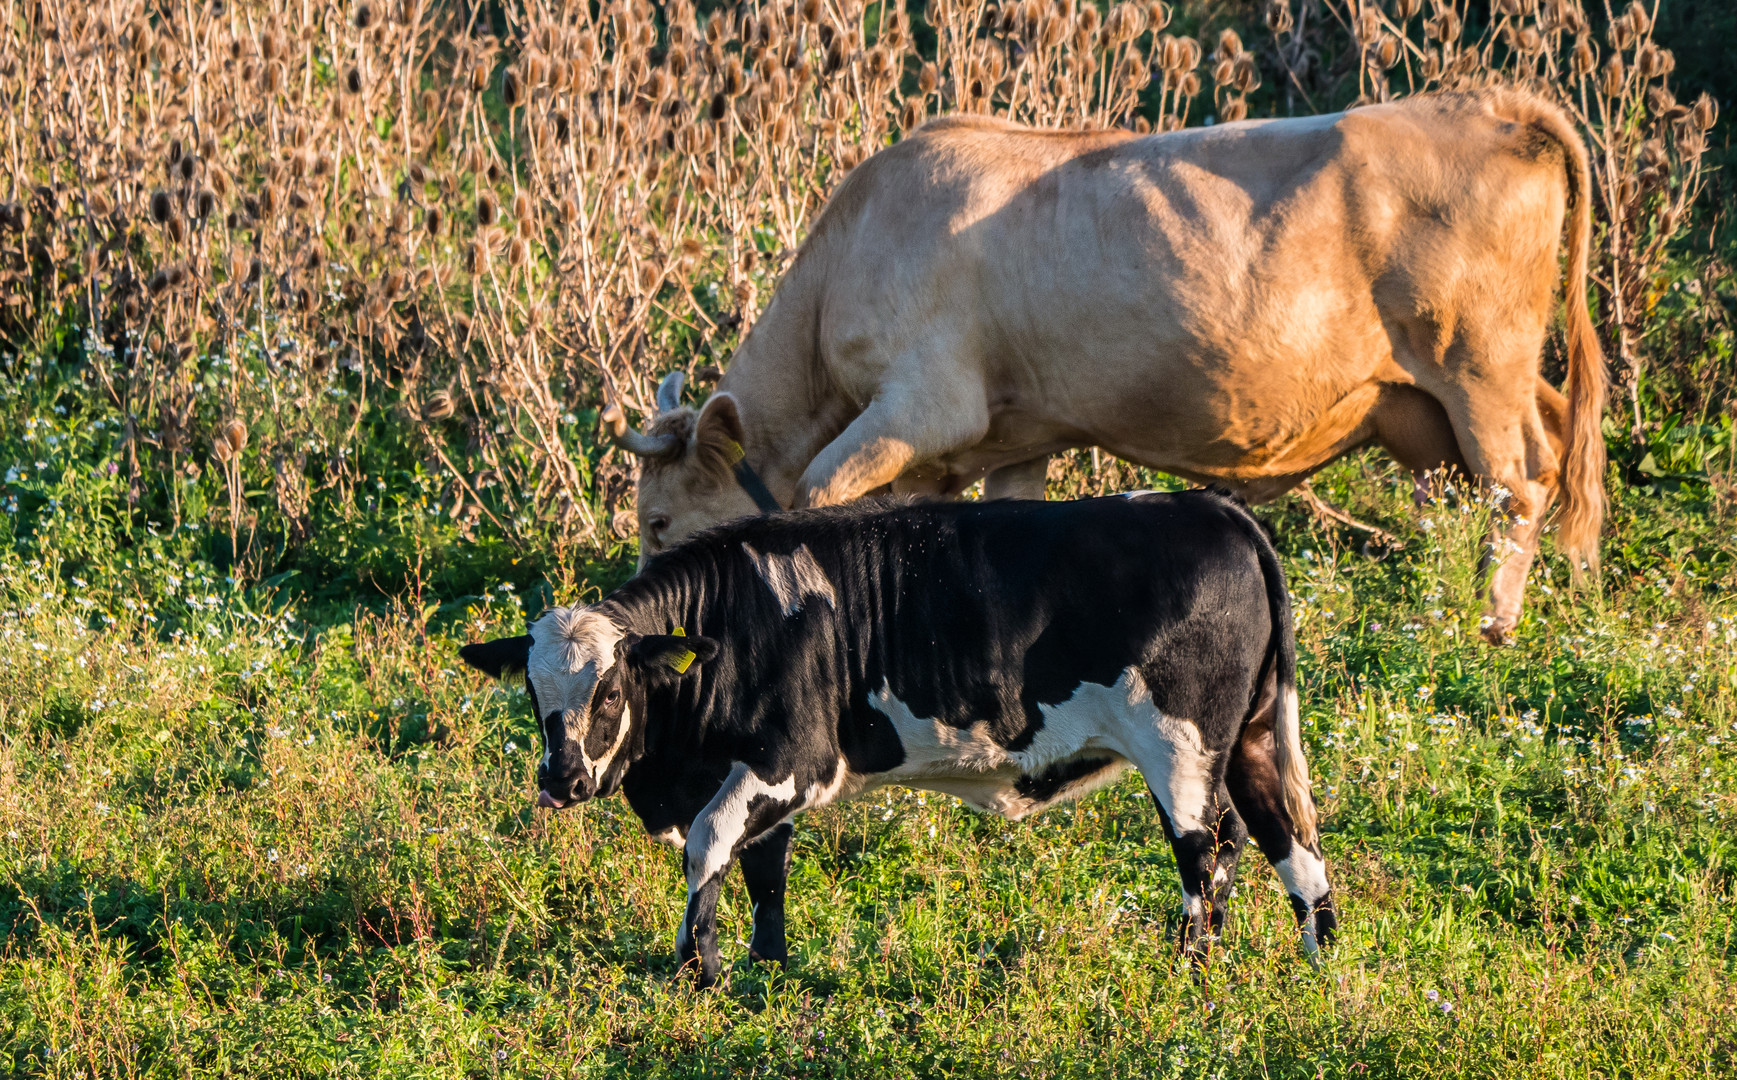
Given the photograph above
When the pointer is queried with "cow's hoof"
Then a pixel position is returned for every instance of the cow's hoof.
(1498, 630)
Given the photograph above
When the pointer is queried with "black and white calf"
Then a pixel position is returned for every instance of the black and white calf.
(1014, 654)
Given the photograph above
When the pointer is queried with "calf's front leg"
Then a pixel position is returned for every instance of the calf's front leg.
(744, 809)
(765, 869)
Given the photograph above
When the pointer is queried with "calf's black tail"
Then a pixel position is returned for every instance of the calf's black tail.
(1287, 722)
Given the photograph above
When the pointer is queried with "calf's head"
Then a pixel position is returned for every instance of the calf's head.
(588, 680)
(685, 461)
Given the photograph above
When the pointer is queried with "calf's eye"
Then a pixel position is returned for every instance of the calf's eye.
(612, 697)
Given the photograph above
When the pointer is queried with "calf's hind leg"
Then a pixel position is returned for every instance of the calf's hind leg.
(1206, 858)
(1253, 781)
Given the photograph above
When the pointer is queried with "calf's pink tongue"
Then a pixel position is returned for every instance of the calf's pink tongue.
(546, 799)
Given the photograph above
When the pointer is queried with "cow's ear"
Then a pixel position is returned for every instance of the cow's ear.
(502, 658)
(664, 657)
(720, 424)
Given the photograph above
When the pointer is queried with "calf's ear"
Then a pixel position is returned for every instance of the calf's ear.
(502, 658)
(661, 657)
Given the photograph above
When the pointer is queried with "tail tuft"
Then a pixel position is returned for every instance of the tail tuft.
(1293, 769)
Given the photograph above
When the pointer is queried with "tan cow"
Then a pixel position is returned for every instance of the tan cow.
(1239, 305)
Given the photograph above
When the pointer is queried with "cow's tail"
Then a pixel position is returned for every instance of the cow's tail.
(1582, 473)
(1292, 767)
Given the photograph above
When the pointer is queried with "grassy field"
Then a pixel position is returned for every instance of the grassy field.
(246, 833)
(305, 316)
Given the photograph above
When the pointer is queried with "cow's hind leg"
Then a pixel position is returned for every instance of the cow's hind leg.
(744, 809)
(1206, 858)
(1026, 480)
(1416, 430)
(765, 869)
(1253, 781)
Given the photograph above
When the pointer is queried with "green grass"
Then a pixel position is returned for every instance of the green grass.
(250, 831)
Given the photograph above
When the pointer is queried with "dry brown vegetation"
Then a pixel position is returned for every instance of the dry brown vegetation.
(265, 226)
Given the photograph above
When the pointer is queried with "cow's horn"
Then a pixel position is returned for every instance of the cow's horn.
(669, 392)
(635, 442)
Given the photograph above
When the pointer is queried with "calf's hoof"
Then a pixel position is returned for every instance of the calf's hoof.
(1326, 923)
(779, 956)
(704, 971)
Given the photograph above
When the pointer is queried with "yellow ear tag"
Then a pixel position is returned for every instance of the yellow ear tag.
(735, 450)
(685, 660)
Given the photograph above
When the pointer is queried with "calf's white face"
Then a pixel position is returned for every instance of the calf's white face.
(585, 675)
(579, 700)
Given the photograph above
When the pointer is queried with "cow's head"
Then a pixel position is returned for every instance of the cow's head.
(685, 462)
(588, 679)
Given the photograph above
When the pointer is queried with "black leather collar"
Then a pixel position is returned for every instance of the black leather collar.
(753, 485)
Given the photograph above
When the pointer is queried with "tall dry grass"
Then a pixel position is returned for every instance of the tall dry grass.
(267, 226)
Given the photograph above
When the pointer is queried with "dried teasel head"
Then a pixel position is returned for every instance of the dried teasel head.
(1621, 31)
(512, 87)
(233, 434)
(204, 203)
(162, 207)
(1367, 26)
(488, 208)
(518, 253)
(353, 79)
(1639, 17)
(1235, 109)
(1247, 77)
(1705, 112)
(1654, 62)
(1386, 51)
(433, 221)
(1611, 76)
(438, 406)
(1583, 58)
(522, 205)
(1279, 17)
(1652, 155)
(1229, 46)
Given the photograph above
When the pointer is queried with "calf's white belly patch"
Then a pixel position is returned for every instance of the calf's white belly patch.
(1117, 721)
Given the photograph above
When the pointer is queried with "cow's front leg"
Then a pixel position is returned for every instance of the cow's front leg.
(899, 429)
(765, 869)
(744, 808)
